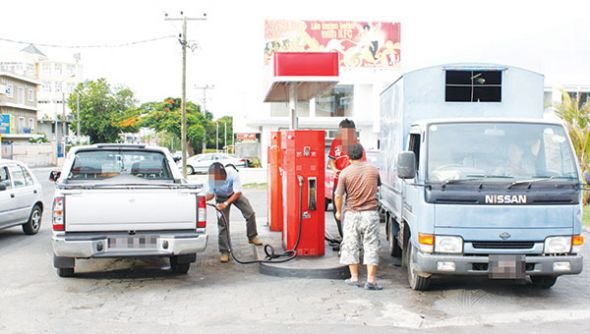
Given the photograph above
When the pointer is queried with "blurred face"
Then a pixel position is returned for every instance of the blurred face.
(217, 177)
(348, 135)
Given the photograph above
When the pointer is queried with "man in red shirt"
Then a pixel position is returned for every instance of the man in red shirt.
(339, 148)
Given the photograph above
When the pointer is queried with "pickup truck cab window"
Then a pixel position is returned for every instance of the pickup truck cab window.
(109, 164)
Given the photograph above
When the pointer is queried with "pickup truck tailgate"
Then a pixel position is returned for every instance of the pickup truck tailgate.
(130, 210)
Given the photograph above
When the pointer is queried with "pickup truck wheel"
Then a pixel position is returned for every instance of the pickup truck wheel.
(416, 282)
(65, 272)
(34, 224)
(179, 268)
(543, 282)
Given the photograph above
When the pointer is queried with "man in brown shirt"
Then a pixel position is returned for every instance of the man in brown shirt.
(360, 182)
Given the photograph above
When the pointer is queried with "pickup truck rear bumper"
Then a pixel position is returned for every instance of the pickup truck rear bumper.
(104, 245)
(479, 265)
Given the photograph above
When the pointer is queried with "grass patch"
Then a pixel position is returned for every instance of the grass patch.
(586, 216)
(256, 186)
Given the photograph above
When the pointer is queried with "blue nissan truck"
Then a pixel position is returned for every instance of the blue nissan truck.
(476, 178)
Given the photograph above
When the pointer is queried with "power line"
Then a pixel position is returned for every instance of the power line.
(91, 46)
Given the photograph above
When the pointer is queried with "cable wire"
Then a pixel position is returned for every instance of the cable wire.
(91, 46)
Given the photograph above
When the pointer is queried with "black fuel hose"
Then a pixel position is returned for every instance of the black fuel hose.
(271, 256)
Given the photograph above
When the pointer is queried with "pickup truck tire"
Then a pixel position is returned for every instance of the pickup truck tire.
(180, 268)
(65, 272)
(33, 225)
(543, 282)
(417, 282)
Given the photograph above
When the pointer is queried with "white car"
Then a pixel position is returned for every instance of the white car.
(201, 162)
(20, 197)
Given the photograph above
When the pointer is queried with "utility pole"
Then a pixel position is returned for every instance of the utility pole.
(64, 125)
(184, 44)
(204, 104)
(78, 112)
(217, 136)
(225, 137)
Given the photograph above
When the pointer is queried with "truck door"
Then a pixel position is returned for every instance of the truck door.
(411, 193)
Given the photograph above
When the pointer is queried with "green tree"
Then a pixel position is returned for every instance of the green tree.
(223, 137)
(165, 117)
(102, 109)
(576, 114)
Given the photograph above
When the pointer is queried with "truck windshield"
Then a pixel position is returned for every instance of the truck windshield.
(124, 165)
(498, 152)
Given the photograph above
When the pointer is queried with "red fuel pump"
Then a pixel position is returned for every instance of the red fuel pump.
(274, 195)
(303, 171)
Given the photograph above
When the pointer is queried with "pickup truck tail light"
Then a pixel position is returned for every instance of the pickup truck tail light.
(58, 215)
(201, 212)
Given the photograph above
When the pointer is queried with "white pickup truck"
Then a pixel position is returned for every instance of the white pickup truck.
(114, 200)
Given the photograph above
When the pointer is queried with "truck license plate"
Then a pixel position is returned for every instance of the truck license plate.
(133, 242)
(507, 266)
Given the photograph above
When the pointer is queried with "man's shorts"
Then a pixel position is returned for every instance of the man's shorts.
(361, 230)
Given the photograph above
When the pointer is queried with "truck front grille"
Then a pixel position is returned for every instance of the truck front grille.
(503, 244)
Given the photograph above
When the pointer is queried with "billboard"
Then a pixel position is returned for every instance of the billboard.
(6, 124)
(358, 43)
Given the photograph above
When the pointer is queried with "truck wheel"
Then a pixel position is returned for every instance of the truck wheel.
(179, 268)
(543, 282)
(34, 224)
(417, 282)
(65, 272)
(394, 248)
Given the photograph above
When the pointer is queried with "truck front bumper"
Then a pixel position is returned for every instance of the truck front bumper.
(104, 245)
(479, 264)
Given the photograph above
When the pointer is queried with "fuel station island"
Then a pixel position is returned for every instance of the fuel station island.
(296, 170)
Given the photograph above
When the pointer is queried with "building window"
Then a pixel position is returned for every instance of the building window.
(30, 95)
(21, 125)
(31, 124)
(57, 87)
(9, 90)
(57, 68)
(71, 69)
(46, 86)
(46, 68)
(582, 97)
(473, 86)
(337, 102)
(21, 96)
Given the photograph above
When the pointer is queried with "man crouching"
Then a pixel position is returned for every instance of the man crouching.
(360, 182)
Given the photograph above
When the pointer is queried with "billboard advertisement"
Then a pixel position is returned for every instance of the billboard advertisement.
(358, 43)
(6, 124)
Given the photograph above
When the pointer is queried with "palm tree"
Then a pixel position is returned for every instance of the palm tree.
(576, 114)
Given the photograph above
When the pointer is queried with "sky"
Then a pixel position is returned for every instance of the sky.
(550, 37)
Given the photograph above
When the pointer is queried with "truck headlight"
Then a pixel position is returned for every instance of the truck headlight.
(558, 245)
(448, 244)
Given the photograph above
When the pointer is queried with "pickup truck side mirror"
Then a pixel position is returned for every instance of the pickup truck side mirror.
(587, 177)
(406, 165)
(54, 175)
(176, 159)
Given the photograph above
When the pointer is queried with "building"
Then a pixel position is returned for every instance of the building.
(57, 78)
(18, 107)
(369, 54)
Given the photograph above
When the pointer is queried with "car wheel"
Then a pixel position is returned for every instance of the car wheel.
(543, 282)
(416, 281)
(34, 224)
(190, 170)
(179, 268)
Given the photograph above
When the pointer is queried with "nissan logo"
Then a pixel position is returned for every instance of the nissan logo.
(505, 235)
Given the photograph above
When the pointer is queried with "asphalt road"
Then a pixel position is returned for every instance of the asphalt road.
(126, 296)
